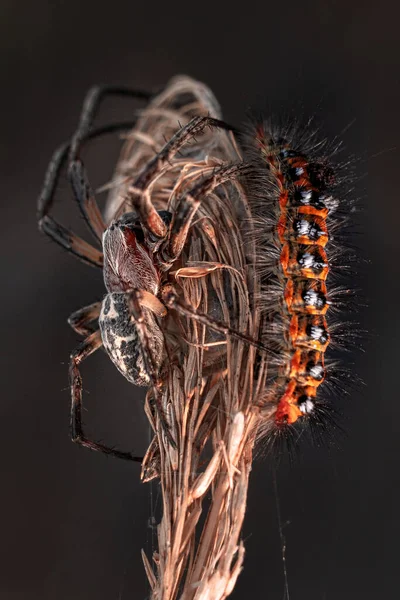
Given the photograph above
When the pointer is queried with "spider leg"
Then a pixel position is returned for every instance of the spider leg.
(171, 300)
(135, 305)
(84, 197)
(86, 348)
(138, 197)
(90, 108)
(200, 269)
(190, 202)
(76, 170)
(80, 319)
(71, 242)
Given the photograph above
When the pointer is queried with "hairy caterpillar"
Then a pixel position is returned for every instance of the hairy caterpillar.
(291, 194)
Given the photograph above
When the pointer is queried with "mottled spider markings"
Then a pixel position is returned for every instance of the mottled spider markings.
(292, 198)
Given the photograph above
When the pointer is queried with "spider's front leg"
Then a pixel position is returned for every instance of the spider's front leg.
(92, 343)
(49, 226)
(76, 170)
(70, 152)
(138, 195)
(189, 204)
(91, 107)
(84, 196)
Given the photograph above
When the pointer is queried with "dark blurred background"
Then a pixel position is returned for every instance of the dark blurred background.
(73, 522)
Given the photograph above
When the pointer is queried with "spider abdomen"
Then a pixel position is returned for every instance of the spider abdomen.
(121, 338)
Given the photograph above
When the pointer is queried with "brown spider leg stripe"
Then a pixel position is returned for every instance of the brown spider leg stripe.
(303, 234)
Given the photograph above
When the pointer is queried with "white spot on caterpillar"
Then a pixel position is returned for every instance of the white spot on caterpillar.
(306, 196)
(316, 332)
(307, 407)
(307, 260)
(316, 372)
(311, 298)
(303, 227)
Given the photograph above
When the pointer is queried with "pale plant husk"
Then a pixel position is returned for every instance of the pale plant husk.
(212, 383)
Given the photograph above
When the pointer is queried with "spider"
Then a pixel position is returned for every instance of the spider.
(138, 249)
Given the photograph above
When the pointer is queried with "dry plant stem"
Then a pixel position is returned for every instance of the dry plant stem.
(211, 384)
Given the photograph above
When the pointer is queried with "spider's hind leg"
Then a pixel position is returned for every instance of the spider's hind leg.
(81, 319)
(171, 300)
(88, 346)
(136, 301)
